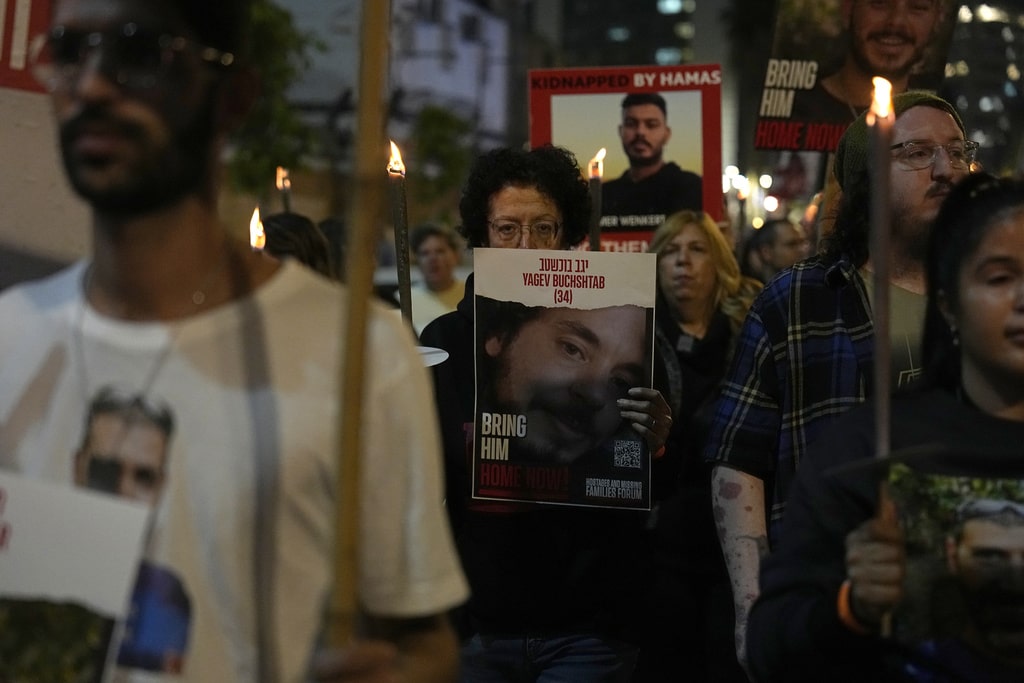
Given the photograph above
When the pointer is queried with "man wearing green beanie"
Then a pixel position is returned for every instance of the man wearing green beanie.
(805, 352)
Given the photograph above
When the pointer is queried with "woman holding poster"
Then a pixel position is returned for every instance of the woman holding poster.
(556, 590)
(850, 593)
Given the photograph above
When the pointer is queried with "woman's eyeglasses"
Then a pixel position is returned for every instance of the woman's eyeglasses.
(508, 231)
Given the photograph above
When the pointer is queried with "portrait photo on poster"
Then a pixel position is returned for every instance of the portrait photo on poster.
(825, 53)
(553, 358)
(646, 136)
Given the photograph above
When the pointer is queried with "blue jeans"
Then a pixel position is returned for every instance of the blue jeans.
(575, 658)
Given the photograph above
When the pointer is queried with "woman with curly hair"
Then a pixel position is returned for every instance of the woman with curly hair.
(556, 590)
(545, 182)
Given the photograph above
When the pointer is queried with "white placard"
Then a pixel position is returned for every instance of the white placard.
(573, 279)
(68, 545)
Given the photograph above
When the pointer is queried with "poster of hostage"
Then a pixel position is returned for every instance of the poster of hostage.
(963, 610)
(561, 337)
(640, 116)
(824, 54)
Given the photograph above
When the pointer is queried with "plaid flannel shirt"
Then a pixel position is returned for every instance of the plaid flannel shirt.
(804, 357)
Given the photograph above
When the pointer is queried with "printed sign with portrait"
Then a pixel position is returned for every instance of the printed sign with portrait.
(561, 336)
(824, 54)
(586, 110)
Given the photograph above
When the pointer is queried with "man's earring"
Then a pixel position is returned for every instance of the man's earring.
(955, 334)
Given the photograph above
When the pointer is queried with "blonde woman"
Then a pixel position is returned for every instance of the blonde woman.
(702, 300)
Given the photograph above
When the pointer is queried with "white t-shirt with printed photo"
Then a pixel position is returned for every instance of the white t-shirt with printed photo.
(243, 532)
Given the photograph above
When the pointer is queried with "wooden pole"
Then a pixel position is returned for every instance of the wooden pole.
(364, 219)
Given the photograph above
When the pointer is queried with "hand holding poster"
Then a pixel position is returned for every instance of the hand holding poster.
(561, 336)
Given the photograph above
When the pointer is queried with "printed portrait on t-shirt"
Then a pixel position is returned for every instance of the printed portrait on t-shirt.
(124, 451)
(964, 610)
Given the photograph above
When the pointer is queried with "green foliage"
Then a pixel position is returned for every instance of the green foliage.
(443, 154)
(44, 642)
(273, 134)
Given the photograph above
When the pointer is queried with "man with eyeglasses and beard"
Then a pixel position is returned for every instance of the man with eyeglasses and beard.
(244, 350)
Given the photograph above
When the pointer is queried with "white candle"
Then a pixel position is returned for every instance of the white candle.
(400, 218)
(880, 119)
(257, 237)
(284, 185)
(596, 170)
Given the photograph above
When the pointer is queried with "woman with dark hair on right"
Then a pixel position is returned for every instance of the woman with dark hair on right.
(840, 568)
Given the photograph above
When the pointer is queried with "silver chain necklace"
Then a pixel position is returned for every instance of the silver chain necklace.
(198, 298)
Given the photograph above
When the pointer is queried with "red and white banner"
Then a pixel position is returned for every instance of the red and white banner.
(20, 21)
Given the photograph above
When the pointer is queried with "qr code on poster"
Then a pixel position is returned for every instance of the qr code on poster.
(627, 454)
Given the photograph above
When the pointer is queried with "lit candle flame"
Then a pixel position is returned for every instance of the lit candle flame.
(881, 102)
(597, 164)
(283, 181)
(257, 238)
(395, 164)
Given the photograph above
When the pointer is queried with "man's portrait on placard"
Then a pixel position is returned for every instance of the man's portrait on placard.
(660, 129)
(561, 371)
(825, 54)
(586, 123)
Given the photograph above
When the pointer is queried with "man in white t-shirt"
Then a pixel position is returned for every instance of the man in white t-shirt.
(242, 351)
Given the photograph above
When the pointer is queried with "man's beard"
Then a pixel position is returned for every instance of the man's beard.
(887, 69)
(912, 233)
(652, 160)
(539, 447)
(163, 177)
(998, 615)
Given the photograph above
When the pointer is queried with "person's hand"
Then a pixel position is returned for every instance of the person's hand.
(876, 565)
(362, 661)
(649, 414)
